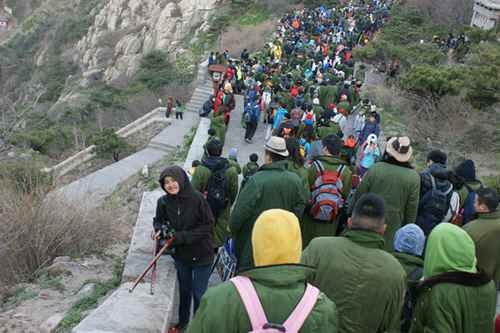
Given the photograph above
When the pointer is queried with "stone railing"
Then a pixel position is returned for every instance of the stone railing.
(157, 115)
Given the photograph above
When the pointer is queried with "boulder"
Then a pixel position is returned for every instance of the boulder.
(58, 269)
(51, 323)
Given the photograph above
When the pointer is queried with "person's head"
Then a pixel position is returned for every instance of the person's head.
(449, 249)
(372, 117)
(253, 157)
(276, 238)
(211, 132)
(466, 170)
(275, 150)
(436, 156)
(233, 154)
(410, 239)
(486, 200)
(399, 148)
(295, 151)
(331, 145)
(195, 164)
(368, 214)
(214, 147)
(174, 180)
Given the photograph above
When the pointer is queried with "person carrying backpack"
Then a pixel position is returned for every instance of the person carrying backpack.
(409, 243)
(453, 296)
(467, 186)
(273, 296)
(218, 181)
(436, 192)
(250, 168)
(329, 179)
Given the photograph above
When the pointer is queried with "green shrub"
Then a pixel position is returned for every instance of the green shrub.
(432, 81)
(110, 145)
(254, 15)
(155, 70)
(493, 182)
(46, 141)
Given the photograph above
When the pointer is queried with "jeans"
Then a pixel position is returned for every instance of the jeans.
(193, 282)
(178, 115)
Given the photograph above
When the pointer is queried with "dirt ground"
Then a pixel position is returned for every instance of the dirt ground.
(236, 38)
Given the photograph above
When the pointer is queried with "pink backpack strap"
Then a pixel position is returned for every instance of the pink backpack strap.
(251, 301)
(299, 315)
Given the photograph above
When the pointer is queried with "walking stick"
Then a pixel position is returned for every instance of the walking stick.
(152, 263)
(153, 271)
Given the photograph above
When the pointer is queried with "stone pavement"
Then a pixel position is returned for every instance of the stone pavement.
(94, 188)
(235, 136)
(124, 312)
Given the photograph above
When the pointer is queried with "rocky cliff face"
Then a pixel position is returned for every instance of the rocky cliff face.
(124, 30)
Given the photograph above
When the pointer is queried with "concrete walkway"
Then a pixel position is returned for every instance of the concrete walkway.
(235, 136)
(125, 312)
(94, 188)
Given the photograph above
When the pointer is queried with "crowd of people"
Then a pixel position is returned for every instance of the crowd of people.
(335, 230)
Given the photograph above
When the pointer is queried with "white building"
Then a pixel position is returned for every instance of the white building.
(486, 14)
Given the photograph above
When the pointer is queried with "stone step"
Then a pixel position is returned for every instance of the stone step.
(161, 146)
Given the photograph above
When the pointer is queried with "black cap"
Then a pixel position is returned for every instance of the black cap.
(437, 156)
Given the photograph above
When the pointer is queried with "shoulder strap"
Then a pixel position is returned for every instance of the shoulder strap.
(433, 181)
(302, 310)
(340, 169)
(251, 301)
(319, 167)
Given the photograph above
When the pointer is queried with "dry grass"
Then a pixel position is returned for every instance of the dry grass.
(33, 231)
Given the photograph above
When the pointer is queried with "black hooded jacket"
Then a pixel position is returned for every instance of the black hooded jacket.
(190, 217)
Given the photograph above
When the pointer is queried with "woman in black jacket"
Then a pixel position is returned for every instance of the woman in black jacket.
(186, 215)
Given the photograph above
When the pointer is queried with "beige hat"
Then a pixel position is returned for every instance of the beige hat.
(399, 148)
(277, 145)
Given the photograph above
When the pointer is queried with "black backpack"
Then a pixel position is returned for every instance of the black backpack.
(434, 206)
(216, 191)
(410, 299)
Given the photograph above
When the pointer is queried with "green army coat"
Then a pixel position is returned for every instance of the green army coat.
(200, 182)
(273, 186)
(366, 283)
(400, 189)
(310, 227)
(485, 231)
(279, 288)
(451, 307)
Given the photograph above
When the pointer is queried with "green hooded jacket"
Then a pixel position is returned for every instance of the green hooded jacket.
(400, 188)
(200, 183)
(453, 297)
(409, 262)
(485, 231)
(366, 283)
(271, 187)
(310, 227)
(279, 289)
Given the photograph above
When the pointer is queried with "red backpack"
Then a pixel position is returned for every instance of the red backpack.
(326, 196)
(294, 91)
